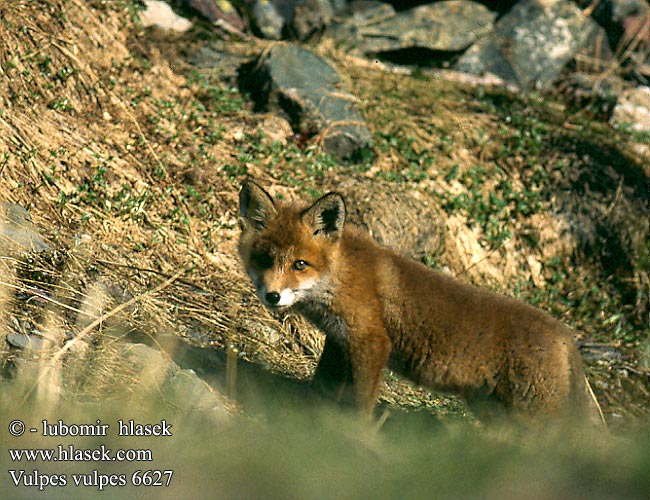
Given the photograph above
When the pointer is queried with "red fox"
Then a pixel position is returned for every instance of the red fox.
(380, 309)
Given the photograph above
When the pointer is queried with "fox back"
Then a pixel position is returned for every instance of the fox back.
(380, 309)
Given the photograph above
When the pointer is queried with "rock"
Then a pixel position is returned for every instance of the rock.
(596, 56)
(531, 44)
(626, 8)
(181, 389)
(312, 95)
(633, 109)
(296, 19)
(449, 26)
(310, 17)
(365, 12)
(27, 342)
(159, 14)
(600, 353)
(215, 11)
(186, 388)
(17, 233)
(265, 18)
(224, 64)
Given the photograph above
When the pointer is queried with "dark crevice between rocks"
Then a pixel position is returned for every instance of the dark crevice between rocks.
(419, 57)
(603, 14)
(294, 114)
(255, 82)
(251, 83)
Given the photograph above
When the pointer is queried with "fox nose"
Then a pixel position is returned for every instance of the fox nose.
(272, 298)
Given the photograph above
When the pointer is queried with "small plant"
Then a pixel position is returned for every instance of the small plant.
(214, 96)
(60, 104)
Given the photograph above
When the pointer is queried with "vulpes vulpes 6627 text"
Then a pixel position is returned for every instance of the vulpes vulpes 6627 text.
(380, 309)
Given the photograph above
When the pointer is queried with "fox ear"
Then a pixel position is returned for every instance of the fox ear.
(256, 206)
(326, 216)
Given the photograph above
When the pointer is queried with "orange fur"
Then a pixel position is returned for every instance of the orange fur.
(378, 308)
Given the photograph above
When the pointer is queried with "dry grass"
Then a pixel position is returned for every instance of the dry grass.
(105, 182)
(131, 171)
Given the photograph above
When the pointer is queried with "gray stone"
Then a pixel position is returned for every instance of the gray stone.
(196, 395)
(449, 26)
(398, 218)
(266, 18)
(309, 17)
(364, 12)
(298, 19)
(284, 7)
(273, 129)
(597, 56)
(596, 353)
(215, 11)
(222, 63)
(28, 342)
(17, 232)
(633, 109)
(531, 44)
(625, 8)
(311, 93)
(180, 388)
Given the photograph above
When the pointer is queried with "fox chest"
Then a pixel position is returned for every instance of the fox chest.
(326, 320)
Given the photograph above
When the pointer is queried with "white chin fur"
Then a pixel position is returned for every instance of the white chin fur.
(287, 298)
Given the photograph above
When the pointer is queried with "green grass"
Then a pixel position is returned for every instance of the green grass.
(321, 454)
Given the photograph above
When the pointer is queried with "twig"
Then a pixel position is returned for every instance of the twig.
(591, 8)
(640, 373)
(599, 410)
(485, 257)
(22, 288)
(231, 371)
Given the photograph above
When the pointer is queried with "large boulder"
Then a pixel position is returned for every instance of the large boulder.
(308, 90)
(449, 26)
(531, 44)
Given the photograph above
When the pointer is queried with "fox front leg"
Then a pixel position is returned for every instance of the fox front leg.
(333, 377)
(369, 353)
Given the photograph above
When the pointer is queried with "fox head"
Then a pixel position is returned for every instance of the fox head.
(289, 252)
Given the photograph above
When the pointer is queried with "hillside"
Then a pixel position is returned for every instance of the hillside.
(129, 160)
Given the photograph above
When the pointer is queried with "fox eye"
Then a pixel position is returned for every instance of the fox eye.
(262, 260)
(300, 265)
